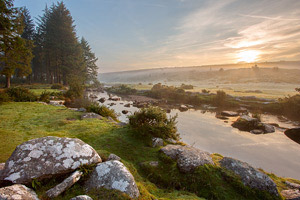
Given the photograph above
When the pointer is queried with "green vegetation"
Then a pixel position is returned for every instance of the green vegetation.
(122, 89)
(20, 122)
(102, 110)
(57, 86)
(153, 122)
(186, 87)
(20, 94)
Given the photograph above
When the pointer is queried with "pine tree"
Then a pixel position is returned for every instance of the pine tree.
(15, 55)
(89, 61)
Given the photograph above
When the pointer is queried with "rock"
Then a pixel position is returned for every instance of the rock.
(111, 104)
(57, 102)
(243, 110)
(153, 163)
(93, 96)
(102, 100)
(221, 117)
(172, 141)
(127, 105)
(188, 158)
(2, 165)
(229, 114)
(291, 194)
(63, 186)
(113, 175)
(121, 124)
(91, 115)
(183, 108)
(246, 123)
(113, 157)
(249, 175)
(268, 128)
(46, 157)
(115, 98)
(157, 142)
(292, 185)
(41, 102)
(81, 110)
(17, 192)
(82, 197)
(124, 112)
(257, 131)
(293, 134)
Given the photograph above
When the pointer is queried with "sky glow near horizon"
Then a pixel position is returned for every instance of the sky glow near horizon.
(140, 34)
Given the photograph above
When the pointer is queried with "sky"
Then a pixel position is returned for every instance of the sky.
(142, 34)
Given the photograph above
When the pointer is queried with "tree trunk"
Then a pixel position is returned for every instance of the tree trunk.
(7, 81)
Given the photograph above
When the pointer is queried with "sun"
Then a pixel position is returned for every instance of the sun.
(248, 56)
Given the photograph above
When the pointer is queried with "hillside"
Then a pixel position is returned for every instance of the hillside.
(273, 72)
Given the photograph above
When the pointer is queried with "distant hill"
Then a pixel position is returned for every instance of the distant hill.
(277, 72)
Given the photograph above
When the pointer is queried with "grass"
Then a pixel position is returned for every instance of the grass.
(20, 122)
(40, 91)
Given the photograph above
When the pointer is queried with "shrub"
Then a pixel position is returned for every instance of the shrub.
(4, 97)
(220, 99)
(20, 94)
(122, 89)
(205, 91)
(45, 97)
(78, 103)
(153, 122)
(102, 110)
(57, 86)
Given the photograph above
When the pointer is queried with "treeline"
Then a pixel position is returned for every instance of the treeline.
(50, 51)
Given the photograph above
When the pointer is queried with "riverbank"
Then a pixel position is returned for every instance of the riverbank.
(23, 121)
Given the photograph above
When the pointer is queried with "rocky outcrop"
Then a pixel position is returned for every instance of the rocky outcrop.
(91, 115)
(82, 197)
(253, 125)
(249, 175)
(113, 157)
(291, 194)
(63, 186)
(157, 142)
(188, 158)
(113, 175)
(229, 114)
(17, 192)
(48, 156)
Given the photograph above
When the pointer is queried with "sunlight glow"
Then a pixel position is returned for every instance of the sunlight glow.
(248, 56)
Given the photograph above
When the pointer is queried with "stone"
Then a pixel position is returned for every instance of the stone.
(157, 142)
(93, 96)
(153, 163)
(268, 128)
(113, 175)
(293, 134)
(82, 197)
(127, 105)
(63, 186)
(292, 185)
(291, 194)
(183, 108)
(91, 115)
(246, 123)
(46, 157)
(229, 114)
(57, 102)
(124, 112)
(221, 117)
(115, 98)
(257, 131)
(250, 176)
(188, 158)
(102, 100)
(17, 192)
(113, 157)
(81, 110)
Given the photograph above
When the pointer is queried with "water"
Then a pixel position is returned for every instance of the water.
(272, 152)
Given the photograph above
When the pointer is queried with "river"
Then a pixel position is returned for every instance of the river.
(273, 152)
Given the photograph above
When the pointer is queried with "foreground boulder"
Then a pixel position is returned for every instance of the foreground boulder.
(250, 176)
(63, 186)
(17, 192)
(82, 197)
(48, 156)
(113, 175)
(188, 158)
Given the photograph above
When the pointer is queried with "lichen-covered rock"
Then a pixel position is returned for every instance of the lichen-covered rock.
(157, 142)
(82, 197)
(291, 194)
(267, 128)
(249, 175)
(63, 186)
(91, 115)
(44, 157)
(113, 175)
(113, 157)
(2, 165)
(188, 158)
(17, 192)
(292, 185)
